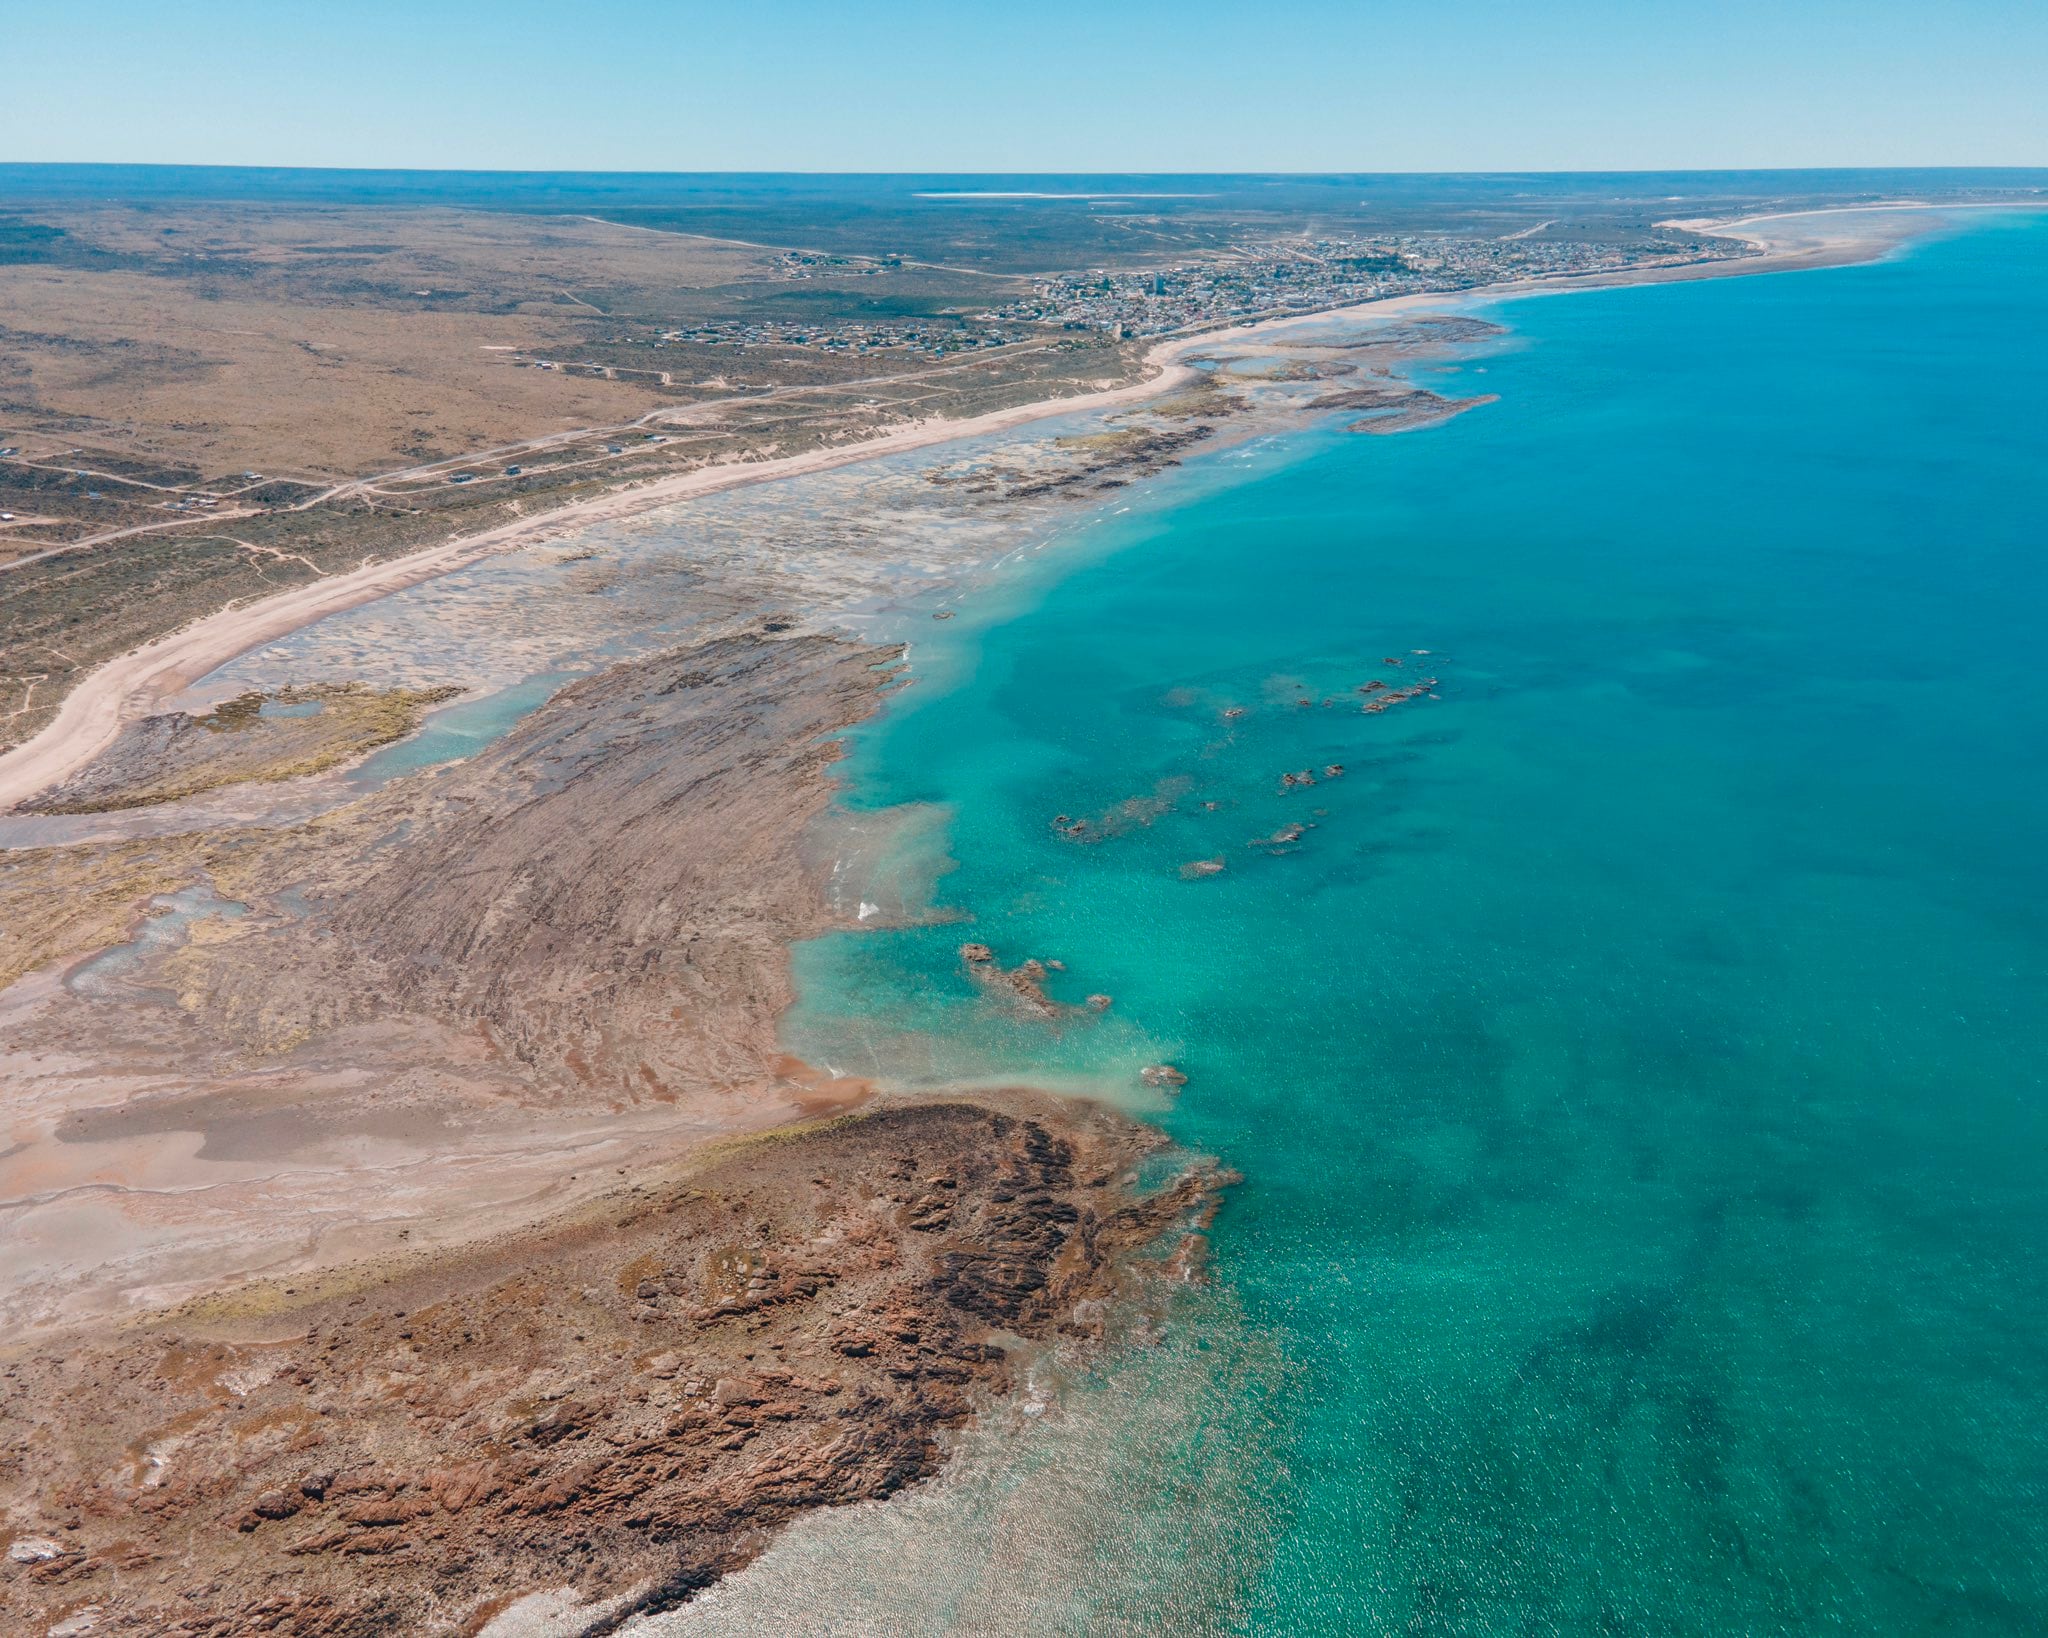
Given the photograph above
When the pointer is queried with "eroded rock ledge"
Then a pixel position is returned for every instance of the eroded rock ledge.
(626, 1401)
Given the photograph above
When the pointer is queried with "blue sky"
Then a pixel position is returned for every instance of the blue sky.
(1050, 85)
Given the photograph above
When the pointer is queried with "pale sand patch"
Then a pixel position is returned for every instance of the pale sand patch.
(1798, 230)
(559, 1613)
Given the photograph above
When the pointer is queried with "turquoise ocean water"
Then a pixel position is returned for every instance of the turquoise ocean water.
(1637, 1070)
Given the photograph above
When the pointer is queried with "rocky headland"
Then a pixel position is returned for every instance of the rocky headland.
(624, 1401)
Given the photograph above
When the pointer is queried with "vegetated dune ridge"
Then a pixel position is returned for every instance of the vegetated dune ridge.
(130, 687)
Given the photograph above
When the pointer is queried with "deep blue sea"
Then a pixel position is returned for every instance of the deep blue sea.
(1637, 1066)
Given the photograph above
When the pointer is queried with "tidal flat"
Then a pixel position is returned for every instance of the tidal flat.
(285, 1023)
(506, 978)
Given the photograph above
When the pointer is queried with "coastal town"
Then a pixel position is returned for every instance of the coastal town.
(934, 336)
(1267, 280)
(1250, 282)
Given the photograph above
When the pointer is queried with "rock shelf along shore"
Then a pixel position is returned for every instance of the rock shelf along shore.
(459, 1295)
(624, 1401)
(372, 1258)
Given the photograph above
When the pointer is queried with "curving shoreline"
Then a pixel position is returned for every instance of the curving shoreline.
(132, 686)
(462, 873)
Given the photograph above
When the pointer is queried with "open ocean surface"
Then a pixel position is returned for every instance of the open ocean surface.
(1637, 1071)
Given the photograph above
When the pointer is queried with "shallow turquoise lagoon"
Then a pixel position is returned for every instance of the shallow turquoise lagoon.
(462, 729)
(1637, 1070)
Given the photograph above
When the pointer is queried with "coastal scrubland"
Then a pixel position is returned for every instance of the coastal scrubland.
(205, 404)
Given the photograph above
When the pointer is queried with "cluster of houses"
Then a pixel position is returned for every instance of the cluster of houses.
(1265, 280)
(868, 336)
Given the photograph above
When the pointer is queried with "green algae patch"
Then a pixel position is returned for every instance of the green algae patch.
(57, 902)
(255, 738)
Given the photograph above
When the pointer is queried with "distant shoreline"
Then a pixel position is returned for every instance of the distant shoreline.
(135, 684)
